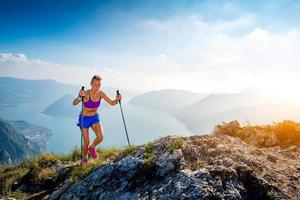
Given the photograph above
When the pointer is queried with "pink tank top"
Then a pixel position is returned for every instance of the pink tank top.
(92, 104)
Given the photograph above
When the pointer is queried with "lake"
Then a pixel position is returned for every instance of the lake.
(143, 125)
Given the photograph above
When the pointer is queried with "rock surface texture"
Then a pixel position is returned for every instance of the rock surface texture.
(214, 166)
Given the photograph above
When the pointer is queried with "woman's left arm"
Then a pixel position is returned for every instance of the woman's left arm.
(108, 100)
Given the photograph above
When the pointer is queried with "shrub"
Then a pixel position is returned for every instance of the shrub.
(175, 144)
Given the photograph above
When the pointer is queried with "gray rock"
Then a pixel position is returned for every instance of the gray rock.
(56, 195)
(233, 170)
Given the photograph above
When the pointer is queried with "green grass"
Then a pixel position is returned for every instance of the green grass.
(148, 154)
(78, 173)
(175, 144)
(127, 150)
(19, 195)
(149, 150)
(9, 176)
(73, 156)
(46, 173)
(41, 165)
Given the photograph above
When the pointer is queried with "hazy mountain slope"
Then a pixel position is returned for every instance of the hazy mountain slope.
(15, 91)
(166, 100)
(194, 115)
(257, 114)
(18, 143)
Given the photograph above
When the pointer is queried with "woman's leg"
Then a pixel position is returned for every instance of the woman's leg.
(86, 141)
(97, 128)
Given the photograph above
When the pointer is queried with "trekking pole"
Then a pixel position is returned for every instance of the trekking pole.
(123, 119)
(82, 88)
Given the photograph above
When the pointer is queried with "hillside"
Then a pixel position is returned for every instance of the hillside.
(166, 100)
(205, 109)
(20, 140)
(17, 91)
(264, 113)
(36, 134)
(63, 107)
(250, 162)
(14, 146)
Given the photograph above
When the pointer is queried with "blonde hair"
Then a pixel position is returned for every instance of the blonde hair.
(96, 77)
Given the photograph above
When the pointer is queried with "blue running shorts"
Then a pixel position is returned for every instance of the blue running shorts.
(88, 121)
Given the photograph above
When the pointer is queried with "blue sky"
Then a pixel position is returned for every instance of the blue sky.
(153, 43)
(39, 28)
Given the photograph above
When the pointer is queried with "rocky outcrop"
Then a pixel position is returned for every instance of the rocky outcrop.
(224, 165)
(200, 167)
(283, 134)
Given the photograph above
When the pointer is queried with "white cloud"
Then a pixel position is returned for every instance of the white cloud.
(233, 54)
(186, 53)
(18, 65)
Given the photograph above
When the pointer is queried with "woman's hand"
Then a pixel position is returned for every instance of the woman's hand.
(82, 93)
(119, 97)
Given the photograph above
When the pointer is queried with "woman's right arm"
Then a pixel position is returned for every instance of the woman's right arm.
(81, 94)
(76, 101)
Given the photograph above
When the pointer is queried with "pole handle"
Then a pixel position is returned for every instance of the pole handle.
(82, 88)
(118, 93)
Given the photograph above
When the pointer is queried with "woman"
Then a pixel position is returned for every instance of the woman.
(91, 102)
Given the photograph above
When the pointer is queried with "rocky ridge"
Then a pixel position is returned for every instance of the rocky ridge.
(215, 166)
